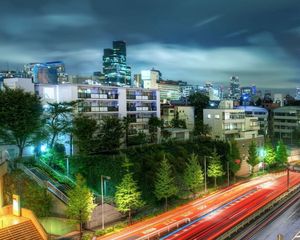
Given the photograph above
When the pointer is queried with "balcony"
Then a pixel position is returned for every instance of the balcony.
(140, 109)
(98, 109)
(143, 97)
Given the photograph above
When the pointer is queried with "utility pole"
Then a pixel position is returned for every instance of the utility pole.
(205, 180)
(288, 178)
(228, 180)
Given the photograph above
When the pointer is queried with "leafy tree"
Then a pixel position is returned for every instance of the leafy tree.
(58, 119)
(253, 158)
(81, 202)
(176, 122)
(201, 128)
(164, 182)
(199, 101)
(84, 130)
(20, 117)
(193, 175)
(55, 157)
(215, 168)
(110, 134)
(270, 157)
(281, 153)
(233, 156)
(154, 124)
(126, 124)
(127, 196)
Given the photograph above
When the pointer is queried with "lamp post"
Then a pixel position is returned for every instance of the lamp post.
(288, 177)
(103, 178)
(228, 180)
(68, 166)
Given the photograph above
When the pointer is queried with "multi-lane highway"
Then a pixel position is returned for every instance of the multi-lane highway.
(209, 217)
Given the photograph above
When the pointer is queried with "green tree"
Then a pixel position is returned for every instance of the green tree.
(215, 168)
(199, 101)
(233, 157)
(81, 202)
(176, 122)
(281, 153)
(58, 119)
(126, 125)
(111, 132)
(127, 196)
(193, 175)
(154, 124)
(164, 186)
(270, 157)
(201, 128)
(20, 117)
(253, 158)
(84, 130)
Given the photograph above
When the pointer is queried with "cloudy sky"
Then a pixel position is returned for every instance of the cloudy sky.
(190, 40)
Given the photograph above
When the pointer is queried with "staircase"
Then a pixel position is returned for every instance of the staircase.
(22, 231)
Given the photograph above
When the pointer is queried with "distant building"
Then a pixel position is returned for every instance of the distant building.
(297, 97)
(169, 90)
(285, 121)
(115, 68)
(186, 113)
(49, 72)
(150, 78)
(234, 89)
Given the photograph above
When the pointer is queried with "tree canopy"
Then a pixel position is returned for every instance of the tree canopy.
(281, 153)
(193, 175)
(215, 168)
(164, 186)
(20, 117)
(252, 159)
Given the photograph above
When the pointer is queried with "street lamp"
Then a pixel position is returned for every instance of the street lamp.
(228, 180)
(262, 153)
(103, 178)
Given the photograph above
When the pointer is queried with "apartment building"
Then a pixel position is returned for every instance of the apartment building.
(285, 121)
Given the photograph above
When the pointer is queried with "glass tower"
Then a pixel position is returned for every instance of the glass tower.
(115, 68)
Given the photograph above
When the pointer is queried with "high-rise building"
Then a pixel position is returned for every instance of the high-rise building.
(49, 72)
(234, 90)
(297, 97)
(115, 69)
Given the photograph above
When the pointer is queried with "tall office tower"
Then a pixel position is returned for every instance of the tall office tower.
(234, 90)
(115, 69)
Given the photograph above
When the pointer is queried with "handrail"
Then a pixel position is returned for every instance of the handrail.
(57, 192)
(31, 174)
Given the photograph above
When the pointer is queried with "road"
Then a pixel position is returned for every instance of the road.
(234, 197)
(287, 224)
(222, 219)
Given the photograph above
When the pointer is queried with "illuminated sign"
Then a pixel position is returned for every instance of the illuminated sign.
(16, 205)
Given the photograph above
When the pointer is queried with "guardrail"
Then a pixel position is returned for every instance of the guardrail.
(256, 214)
(46, 184)
(165, 229)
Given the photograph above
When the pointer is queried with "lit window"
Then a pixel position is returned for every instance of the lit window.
(217, 116)
(208, 115)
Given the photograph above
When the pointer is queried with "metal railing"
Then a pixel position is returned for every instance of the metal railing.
(57, 192)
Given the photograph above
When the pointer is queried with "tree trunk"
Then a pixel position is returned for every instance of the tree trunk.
(129, 217)
(215, 181)
(166, 204)
(21, 149)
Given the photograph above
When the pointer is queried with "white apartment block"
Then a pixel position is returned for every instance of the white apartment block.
(99, 101)
(229, 124)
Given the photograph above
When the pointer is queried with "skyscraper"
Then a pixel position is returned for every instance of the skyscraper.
(234, 90)
(115, 68)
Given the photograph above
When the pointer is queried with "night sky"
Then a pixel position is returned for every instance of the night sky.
(190, 40)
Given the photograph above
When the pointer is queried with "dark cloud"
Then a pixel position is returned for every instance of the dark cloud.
(190, 40)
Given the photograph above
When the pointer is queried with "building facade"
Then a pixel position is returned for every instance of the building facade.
(115, 68)
(286, 120)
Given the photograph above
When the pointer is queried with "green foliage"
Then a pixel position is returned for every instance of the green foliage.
(253, 158)
(20, 117)
(126, 125)
(84, 129)
(32, 196)
(139, 139)
(110, 134)
(55, 157)
(58, 119)
(154, 123)
(270, 157)
(164, 182)
(215, 168)
(199, 101)
(281, 153)
(128, 197)
(201, 128)
(234, 154)
(81, 201)
(176, 122)
(193, 175)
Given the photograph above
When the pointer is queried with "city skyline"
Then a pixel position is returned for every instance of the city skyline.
(190, 41)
